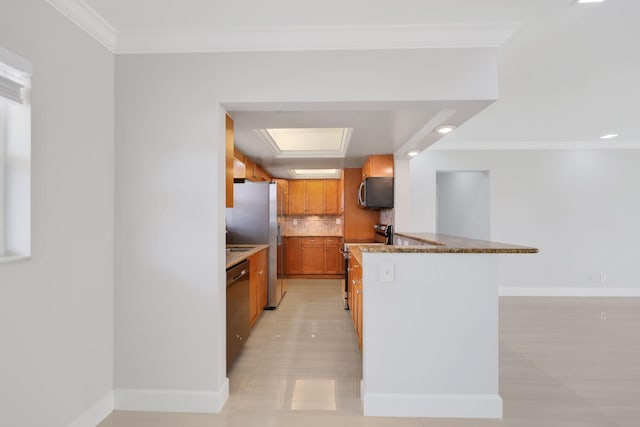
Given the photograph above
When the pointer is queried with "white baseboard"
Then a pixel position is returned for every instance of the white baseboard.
(433, 405)
(210, 402)
(568, 292)
(95, 413)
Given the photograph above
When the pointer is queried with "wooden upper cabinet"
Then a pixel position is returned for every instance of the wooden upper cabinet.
(378, 165)
(314, 196)
(229, 161)
(330, 196)
(249, 169)
(296, 196)
(238, 165)
(341, 193)
(283, 195)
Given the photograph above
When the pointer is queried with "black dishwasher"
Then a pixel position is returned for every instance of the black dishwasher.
(237, 310)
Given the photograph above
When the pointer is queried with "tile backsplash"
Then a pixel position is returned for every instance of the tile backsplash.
(312, 225)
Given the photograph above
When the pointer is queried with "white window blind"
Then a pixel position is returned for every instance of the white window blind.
(15, 157)
(11, 89)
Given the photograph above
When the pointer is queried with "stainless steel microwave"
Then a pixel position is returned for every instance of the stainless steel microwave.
(376, 193)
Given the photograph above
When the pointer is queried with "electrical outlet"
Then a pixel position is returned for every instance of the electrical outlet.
(295, 221)
(338, 221)
(603, 277)
(603, 315)
(386, 271)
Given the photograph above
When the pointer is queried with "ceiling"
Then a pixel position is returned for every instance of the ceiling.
(567, 75)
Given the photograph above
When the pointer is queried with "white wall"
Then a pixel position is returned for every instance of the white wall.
(462, 203)
(169, 242)
(56, 309)
(434, 352)
(579, 207)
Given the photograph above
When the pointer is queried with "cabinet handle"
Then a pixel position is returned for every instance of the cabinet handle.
(358, 291)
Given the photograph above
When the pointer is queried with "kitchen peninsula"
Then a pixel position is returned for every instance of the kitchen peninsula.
(430, 311)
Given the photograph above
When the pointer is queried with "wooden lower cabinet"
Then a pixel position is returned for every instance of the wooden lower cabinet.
(258, 281)
(355, 297)
(292, 255)
(333, 255)
(312, 259)
(314, 256)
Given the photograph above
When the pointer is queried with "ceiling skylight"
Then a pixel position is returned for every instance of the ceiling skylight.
(315, 173)
(307, 142)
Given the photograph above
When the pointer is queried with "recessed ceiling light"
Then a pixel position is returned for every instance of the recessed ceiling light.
(413, 153)
(609, 136)
(315, 173)
(589, 1)
(445, 129)
(307, 142)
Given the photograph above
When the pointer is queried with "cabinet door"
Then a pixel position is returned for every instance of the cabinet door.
(314, 196)
(312, 259)
(380, 165)
(354, 269)
(254, 284)
(330, 196)
(283, 196)
(359, 312)
(263, 280)
(293, 255)
(249, 169)
(229, 163)
(341, 193)
(333, 259)
(296, 196)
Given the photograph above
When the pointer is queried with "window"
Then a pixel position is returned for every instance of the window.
(15, 157)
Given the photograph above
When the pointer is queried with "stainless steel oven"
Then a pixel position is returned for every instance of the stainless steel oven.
(383, 236)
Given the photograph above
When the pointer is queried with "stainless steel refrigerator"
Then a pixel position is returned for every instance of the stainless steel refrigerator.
(255, 219)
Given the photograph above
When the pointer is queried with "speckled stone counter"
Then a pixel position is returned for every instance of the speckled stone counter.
(442, 243)
(234, 258)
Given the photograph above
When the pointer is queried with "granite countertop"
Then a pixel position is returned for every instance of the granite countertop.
(234, 258)
(442, 243)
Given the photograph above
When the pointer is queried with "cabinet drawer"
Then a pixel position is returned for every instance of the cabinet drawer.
(332, 240)
(311, 241)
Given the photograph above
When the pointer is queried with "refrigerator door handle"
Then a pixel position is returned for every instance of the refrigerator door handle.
(279, 235)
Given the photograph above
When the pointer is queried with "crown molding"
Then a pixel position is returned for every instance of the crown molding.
(316, 38)
(285, 38)
(535, 145)
(81, 14)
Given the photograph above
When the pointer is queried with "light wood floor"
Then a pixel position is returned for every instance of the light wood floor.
(564, 362)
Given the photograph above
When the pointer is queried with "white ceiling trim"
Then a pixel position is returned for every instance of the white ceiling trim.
(283, 39)
(85, 17)
(316, 38)
(536, 145)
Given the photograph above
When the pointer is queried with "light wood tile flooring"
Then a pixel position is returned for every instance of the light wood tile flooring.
(564, 362)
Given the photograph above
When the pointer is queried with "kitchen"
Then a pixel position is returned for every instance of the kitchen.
(122, 304)
(308, 239)
(307, 224)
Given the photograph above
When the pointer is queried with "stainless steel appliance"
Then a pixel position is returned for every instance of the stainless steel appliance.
(254, 219)
(237, 310)
(376, 193)
(383, 236)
